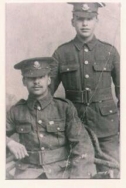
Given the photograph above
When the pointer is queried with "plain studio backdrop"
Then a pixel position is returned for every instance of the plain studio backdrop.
(37, 29)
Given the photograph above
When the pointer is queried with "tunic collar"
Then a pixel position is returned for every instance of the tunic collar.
(79, 44)
(32, 102)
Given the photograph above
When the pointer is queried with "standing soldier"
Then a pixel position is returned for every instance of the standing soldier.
(85, 65)
(52, 141)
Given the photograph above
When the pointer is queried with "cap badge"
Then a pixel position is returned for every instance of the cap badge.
(85, 7)
(36, 65)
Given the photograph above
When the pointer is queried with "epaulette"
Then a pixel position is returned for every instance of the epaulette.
(105, 43)
(21, 102)
(62, 99)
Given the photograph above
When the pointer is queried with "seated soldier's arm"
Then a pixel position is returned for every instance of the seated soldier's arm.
(18, 150)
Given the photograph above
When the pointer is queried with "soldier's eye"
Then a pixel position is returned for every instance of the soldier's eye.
(41, 77)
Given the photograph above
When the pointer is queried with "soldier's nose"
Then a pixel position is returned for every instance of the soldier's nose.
(85, 22)
(36, 80)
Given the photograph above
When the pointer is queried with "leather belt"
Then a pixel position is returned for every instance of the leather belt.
(46, 156)
(88, 96)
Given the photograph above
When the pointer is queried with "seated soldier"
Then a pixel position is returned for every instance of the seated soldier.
(53, 142)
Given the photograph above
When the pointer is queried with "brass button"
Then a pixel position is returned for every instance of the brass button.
(41, 135)
(86, 50)
(84, 156)
(40, 122)
(58, 128)
(110, 111)
(38, 108)
(22, 129)
(86, 62)
(86, 76)
(112, 120)
(88, 104)
(87, 89)
(42, 148)
(104, 68)
(68, 69)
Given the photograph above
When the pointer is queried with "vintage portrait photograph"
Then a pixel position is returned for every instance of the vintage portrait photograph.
(62, 90)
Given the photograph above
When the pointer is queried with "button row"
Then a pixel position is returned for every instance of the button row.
(38, 108)
(40, 122)
(85, 62)
(86, 76)
(41, 135)
(42, 148)
(86, 50)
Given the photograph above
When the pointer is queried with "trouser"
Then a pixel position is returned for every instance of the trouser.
(102, 119)
(42, 176)
(110, 146)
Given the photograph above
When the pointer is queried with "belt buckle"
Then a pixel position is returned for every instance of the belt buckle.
(86, 96)
(40, 158)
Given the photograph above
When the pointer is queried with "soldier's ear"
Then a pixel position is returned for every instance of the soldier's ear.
(72, 22)
(49, 80)
(24, 81)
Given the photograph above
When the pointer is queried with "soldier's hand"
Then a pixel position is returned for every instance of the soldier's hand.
(17, 149)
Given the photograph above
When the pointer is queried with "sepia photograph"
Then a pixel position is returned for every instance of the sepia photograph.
(62, 84)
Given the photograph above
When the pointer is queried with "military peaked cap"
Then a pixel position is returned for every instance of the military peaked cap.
(35, 67)
(86, 10)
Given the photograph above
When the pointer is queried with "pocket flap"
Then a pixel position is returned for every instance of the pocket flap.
(68, 68)
(107, 110)
(56, 126)
(102, 66)
(23, 128)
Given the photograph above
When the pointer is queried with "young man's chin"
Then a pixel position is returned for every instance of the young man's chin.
(37, 93)
(85, 35)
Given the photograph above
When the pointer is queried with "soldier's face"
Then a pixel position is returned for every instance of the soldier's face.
(37, 86)
(84, 26)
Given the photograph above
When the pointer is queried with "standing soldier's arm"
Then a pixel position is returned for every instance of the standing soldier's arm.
(116, 74)
(55, 74)
(82, 152)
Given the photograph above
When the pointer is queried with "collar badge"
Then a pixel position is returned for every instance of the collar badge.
(51, 122)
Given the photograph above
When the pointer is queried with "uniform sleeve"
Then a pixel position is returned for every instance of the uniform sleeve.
(116, 74)
(55, 74)
(10, 125)
(82, 152)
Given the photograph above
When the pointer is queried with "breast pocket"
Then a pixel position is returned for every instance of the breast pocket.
(70, 74)
(56, 129)
(25, 134)
(102, 66)
(102, 73)
(22, 129)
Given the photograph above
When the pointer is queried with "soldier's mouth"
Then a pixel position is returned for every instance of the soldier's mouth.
(37, 87)
(85, 30)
